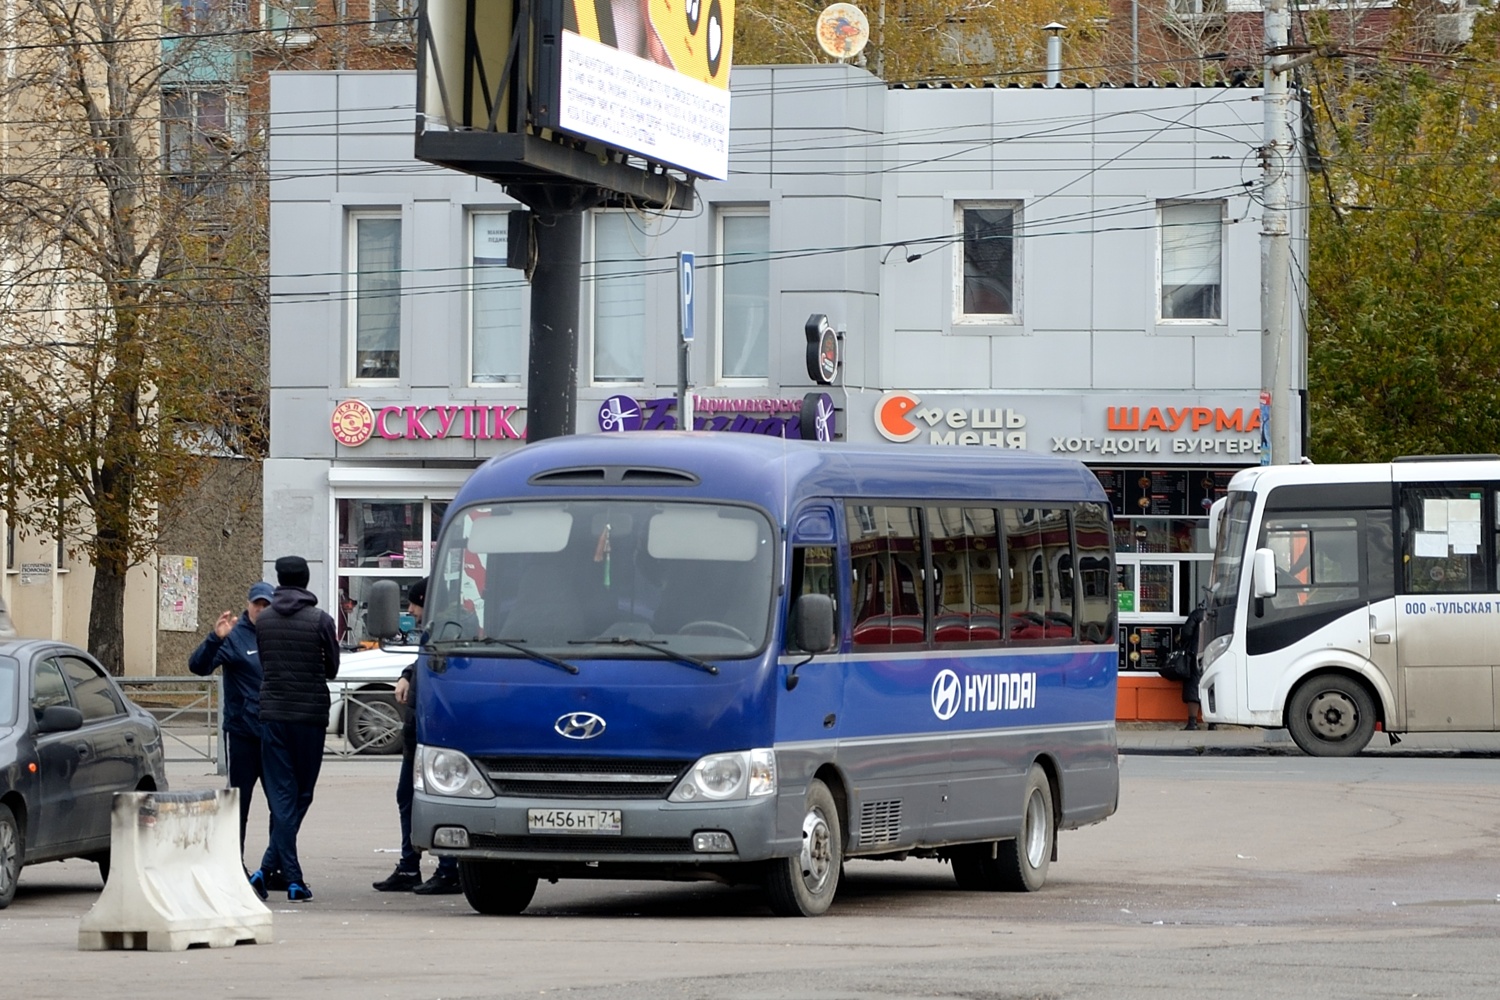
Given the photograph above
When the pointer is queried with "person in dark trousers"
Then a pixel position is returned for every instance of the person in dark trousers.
(299, 654)
(408, 874)
(1190, 696)
(230, 646)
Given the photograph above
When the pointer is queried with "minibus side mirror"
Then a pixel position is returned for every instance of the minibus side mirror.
(383, 614)
(813, 625)
(1263, 574)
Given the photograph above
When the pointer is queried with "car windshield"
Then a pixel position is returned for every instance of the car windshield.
(10, 672)
(574, 577)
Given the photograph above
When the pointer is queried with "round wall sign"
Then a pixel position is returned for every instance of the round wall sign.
(352, 423)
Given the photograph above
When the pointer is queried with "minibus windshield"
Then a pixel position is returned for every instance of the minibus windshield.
(576, 577)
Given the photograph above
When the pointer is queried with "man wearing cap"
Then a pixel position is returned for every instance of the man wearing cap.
(231, 646)
(299, 654)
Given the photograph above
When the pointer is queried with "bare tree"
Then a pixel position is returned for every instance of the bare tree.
(133, 297)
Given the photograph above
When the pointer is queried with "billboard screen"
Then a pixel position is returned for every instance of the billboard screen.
(649, 77)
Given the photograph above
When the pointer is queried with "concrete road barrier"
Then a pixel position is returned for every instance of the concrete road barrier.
(175, 877)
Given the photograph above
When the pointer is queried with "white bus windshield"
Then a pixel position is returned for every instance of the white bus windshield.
(1229, 556)
(589, 578)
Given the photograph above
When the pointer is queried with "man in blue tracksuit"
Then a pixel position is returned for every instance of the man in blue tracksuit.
(231, 647)
(299, 655)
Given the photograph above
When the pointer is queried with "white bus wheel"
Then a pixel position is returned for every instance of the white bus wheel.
(1331, 715)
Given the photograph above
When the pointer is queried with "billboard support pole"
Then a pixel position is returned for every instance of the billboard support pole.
(552, 371)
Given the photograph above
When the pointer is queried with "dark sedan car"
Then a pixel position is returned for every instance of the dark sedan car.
(68, 741)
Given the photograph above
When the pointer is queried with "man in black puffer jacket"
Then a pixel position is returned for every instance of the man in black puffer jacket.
(299, 654)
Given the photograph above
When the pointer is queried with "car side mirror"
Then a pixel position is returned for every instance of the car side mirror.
(383, 611)
(59, 719)
(813, 624)
(1263, 573)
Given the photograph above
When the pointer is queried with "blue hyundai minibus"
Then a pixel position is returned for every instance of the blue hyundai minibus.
(696, 655)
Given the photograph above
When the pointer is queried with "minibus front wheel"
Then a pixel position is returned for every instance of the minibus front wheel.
(497, 888)
(804, 884)
(1331, 715)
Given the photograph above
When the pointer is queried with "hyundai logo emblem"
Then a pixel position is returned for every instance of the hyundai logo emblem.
(945, 691)
(579, 725)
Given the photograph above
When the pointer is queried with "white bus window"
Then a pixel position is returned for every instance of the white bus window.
(1317, 559)
(1442, 541)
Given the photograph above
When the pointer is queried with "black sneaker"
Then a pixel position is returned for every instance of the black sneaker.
(439, 885)
(398, 881)
(296, 892)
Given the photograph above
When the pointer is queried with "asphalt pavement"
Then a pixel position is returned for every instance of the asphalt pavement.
(1154, 738)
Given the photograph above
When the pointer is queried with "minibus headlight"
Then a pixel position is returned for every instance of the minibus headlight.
(722, 777)
(440, 771)
(1215, 649)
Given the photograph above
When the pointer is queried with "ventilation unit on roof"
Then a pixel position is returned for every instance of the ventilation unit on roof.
(613, 475)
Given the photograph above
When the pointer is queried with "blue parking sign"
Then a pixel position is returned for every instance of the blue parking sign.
(685, 298)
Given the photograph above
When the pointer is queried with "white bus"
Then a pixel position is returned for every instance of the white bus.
(1346, 598)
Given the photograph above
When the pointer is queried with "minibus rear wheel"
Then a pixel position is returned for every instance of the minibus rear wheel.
(1331, 715)
(1022, 863)
(497, 888)
(804, 884)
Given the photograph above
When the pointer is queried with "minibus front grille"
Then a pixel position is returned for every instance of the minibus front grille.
(582, 777)
(580, 844)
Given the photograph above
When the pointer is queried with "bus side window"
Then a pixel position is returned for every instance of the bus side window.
(888, 598)
(966, 575)
(1442, 544)
(1096, 604)
(1036, 538)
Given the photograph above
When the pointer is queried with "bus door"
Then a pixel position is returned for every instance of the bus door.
(1448, 615)
(809, 706)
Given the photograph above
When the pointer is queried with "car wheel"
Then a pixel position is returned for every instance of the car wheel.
(1331, 715)
(12, 855)
(804, 884)
(373, 723)
(497, 888)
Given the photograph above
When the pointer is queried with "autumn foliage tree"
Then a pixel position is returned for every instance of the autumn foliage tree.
(1404, 259)
(913, 41)
(132, 301)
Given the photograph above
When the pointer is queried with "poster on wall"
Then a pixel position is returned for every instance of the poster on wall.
(178, 607)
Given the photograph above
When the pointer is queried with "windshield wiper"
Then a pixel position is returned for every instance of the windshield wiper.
(660, 647)
(519, 645)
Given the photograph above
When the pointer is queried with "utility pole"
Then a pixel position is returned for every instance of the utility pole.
(1276, 345)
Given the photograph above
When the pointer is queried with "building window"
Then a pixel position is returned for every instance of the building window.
(201, 131)
(1192, 251)
(497, 328)
(986, 269)
(392, 19)
(380, 540)
(289, 15)
(619, 275)
(745, 302)
(376, 295)
(194, 16)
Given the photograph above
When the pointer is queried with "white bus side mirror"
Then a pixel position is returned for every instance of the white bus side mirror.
(1215, 519)
(1263, 573)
